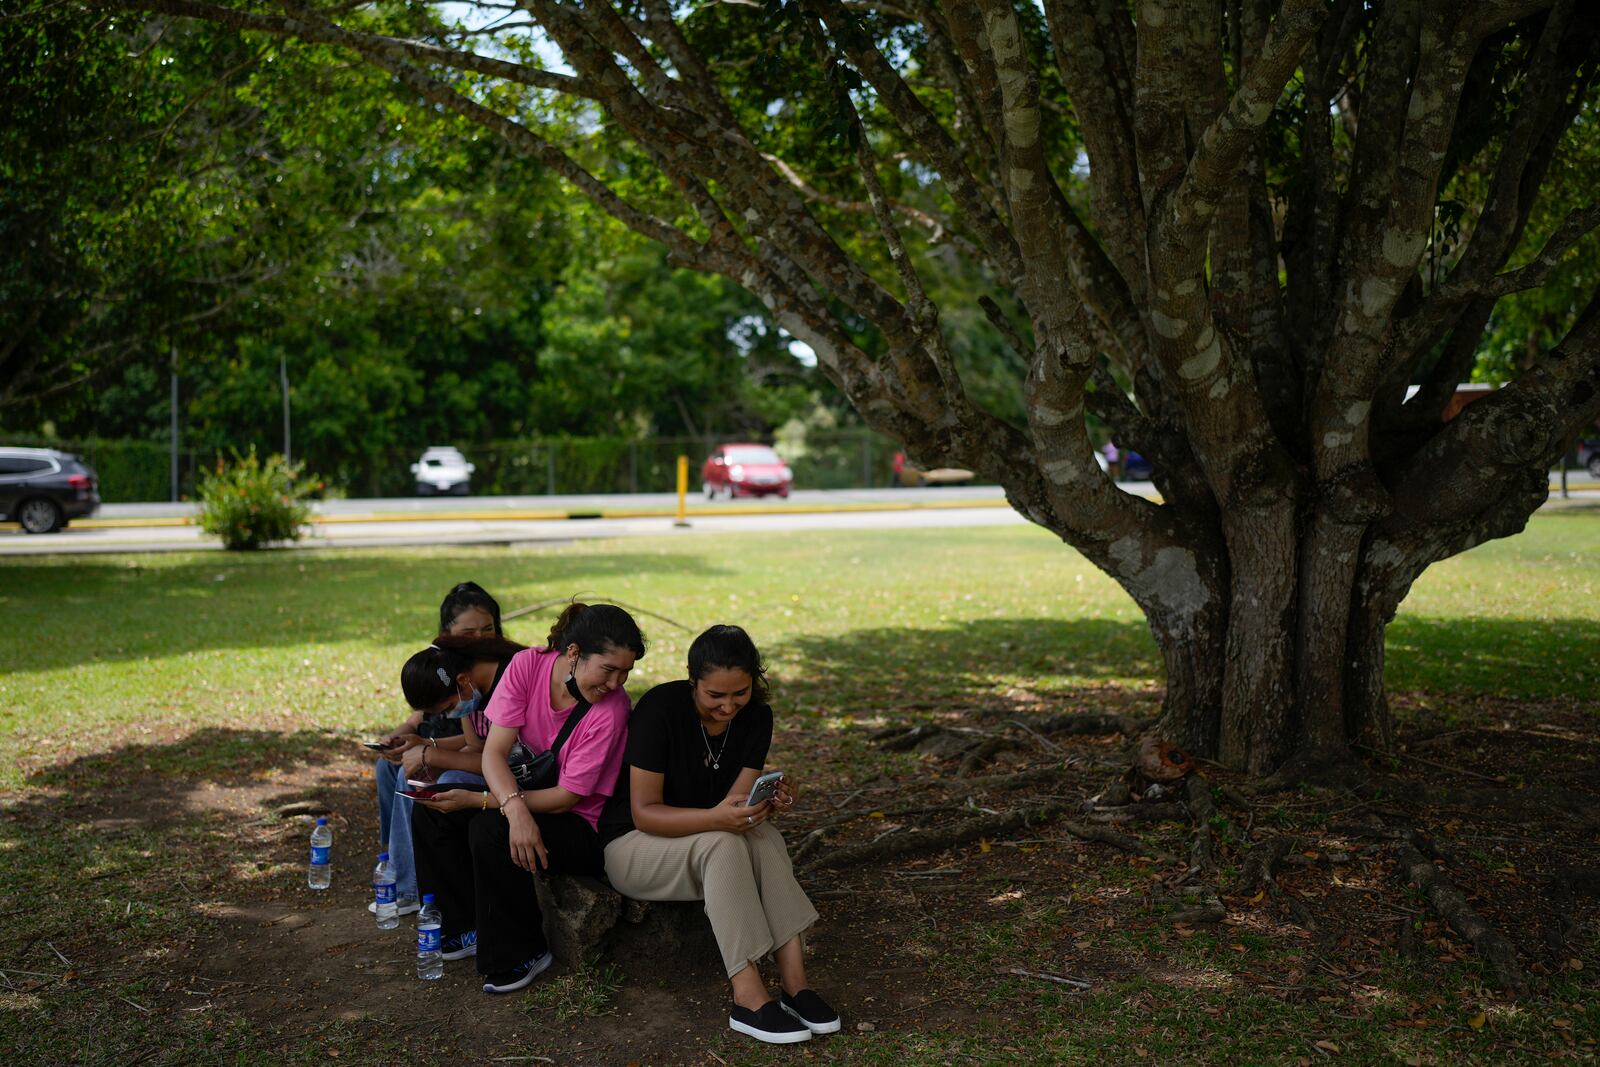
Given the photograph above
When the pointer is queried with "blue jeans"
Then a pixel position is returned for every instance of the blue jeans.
(402, 849)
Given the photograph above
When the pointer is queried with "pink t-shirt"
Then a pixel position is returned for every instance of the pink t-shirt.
(591, 758)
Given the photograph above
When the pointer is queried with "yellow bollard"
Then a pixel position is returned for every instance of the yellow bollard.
(683, 492)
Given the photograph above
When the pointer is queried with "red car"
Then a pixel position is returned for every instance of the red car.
(745, 470)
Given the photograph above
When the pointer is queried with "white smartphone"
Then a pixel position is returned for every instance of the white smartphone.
(766, 788)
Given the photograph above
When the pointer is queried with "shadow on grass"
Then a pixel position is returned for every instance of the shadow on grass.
(1509, 657)
(108, 609)
(891, 670)
(879, 670)
(213, 755)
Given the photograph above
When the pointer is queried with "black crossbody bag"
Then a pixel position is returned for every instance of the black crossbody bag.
(540, 771)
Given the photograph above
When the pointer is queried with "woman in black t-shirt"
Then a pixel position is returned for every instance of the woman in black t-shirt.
(678, 828)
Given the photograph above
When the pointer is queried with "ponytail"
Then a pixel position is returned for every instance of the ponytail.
(596, 628)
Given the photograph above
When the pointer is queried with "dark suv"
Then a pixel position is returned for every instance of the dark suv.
(44, 489)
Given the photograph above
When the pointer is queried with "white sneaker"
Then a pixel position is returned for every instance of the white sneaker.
(404, 907)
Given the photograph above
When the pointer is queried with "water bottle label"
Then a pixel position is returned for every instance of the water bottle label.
(427, 939)
(383, 893)
(319, 854)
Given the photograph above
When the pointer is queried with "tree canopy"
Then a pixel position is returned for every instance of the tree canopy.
(1234, 233)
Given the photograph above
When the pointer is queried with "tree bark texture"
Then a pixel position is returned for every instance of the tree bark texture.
(1247, 316)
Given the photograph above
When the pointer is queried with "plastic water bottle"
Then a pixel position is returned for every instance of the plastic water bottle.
(430, 964)
(383, 893)
(319, 874)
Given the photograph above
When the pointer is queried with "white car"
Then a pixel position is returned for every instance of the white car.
(443, 470)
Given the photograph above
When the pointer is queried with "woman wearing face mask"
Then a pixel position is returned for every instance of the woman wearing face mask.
(451, 679)
(479, 862)
(466, 612)
(678, 828)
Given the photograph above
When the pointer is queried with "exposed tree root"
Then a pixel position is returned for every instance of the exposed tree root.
(1259, 865)
(1536, 805)
(1335, 769)
(1452, 906)
(1146, 812)
(1197, 797)
(984, 753)
(1204, 907)
(1093, 725)
(1015, 780)
(1105, 836)
(1576, 881)
(915, 842)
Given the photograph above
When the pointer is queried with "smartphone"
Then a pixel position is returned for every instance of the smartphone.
(376, 746)
(415, 793)
(766, 788)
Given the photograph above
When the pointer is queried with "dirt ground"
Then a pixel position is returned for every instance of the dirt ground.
(895, 947)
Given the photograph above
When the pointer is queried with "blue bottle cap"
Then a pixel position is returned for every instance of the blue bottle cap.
(322, 820)
(383, 857)
(427, 898)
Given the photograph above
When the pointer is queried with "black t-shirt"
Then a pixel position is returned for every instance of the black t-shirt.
(665, 736)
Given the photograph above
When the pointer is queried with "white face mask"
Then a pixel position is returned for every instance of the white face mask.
(466, 707)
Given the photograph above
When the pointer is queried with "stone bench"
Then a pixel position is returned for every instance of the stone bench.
(585, 919)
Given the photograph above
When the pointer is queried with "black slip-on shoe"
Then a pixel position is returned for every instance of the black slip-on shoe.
(771, 1024)
(518, 976)
(811, 1010)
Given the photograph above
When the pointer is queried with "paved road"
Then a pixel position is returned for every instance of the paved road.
(505, 520)
(596, 502)
(508, 520)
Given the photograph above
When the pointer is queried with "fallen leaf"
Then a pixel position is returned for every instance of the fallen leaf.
(1477, 1021)
(1140, 1052)
(1259, 897)
(984, 846)
(1575, 963)
(875, 815)
(1561, 1024)
(1327, 1046)
(865, 1028)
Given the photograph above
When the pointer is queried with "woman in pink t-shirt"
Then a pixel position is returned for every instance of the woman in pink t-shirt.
(479, 862)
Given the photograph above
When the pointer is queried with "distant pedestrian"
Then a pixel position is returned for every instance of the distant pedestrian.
(1113, 460)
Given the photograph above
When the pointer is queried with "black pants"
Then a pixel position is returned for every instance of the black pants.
(464, 860)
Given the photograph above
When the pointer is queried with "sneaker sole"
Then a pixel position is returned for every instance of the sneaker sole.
(815, 1028)
(533, 972)
(768, 1036)
(404, 909)
(460, 953)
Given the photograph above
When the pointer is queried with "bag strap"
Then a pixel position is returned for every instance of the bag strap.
(579, 710)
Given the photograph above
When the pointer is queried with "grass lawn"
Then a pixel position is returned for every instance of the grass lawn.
(154, 708)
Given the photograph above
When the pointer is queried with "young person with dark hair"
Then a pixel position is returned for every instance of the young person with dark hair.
(466, 612)
(452, 678)
(678, 828)
(479, 864)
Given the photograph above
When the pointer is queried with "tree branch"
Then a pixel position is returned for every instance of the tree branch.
(1223, 145)
(321, 31)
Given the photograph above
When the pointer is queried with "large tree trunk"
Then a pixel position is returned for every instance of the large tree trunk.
(1272, 667)
(1246, 313)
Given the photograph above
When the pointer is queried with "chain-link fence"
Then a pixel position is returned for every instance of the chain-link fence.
(839, 459)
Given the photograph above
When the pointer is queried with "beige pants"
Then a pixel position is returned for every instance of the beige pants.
(752, 899)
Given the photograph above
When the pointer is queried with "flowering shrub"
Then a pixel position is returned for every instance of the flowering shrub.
(251, 501)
